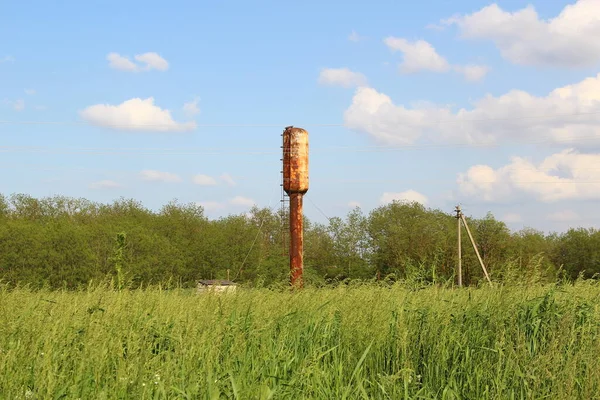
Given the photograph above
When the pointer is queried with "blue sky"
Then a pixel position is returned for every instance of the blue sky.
(491, 105)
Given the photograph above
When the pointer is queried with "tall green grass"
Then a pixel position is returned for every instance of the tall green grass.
(343, 343)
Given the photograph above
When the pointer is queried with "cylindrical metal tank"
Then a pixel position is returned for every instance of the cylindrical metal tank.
(295, 160)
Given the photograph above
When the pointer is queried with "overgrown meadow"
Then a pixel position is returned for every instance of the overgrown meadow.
(348, 342)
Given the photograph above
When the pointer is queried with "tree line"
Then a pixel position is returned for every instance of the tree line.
(62, 242)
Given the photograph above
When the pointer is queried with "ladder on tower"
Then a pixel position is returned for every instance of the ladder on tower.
(283, 212)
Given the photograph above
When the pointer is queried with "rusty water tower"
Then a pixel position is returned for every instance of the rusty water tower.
(295, 184)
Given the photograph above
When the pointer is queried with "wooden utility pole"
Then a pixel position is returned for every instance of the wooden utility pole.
(458, 214)
(461, 217)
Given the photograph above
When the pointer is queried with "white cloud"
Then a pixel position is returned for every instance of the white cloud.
(422, 56)
(105, 184)
(353, 204)
(204, 180)
(483, 181)
(418, 55)
(228, 179)
(159, 176)
(238, 201)
(116, 61)
(191, 109)
(210, 205)
(516, 115)
(7, 59)
(564, 216)
(242, 201)
(30, 91)
(409, 196)
(152, 61)
(354, 37)
(567, 175)
(134, 114)
(568, 40)
(147, 62)
(512, 218)
(341, 77)
(435, 27)
(374, 113)
(472, 73)
(19, 105)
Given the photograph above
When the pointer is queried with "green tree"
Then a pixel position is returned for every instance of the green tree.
(406, 238)
(493, 240)
(578, 252)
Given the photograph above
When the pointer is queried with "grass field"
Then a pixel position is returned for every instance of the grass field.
(342, 343)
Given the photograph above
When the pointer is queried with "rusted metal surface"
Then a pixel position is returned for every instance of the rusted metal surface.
(295, 184)
(297, 239)
(295, 160)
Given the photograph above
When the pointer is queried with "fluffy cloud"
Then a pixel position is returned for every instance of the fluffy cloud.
(238, 201)
(30, 91)
(418, 55)
(7, 59)
(228, 179)
(472, 73)
(422, 56)
(564, 216)
(409, 196)
(204, 180)
(568, 40)
(134, 114)
(512, 218)
(567, 175)
(146, 62)
(191, 109)
(116, 61)
(152, 61)
(435, 27)
(105, 184)
(566, 115)
(341, 77)
(374, 113)
(485, 183)
(159, 176)
(353, 204)
(242, 201)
